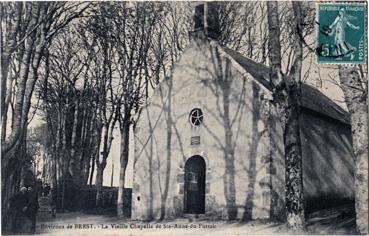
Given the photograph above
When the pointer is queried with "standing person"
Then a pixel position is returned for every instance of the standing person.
(46, 189)
(18, 204)
(53, 202)
(32, 208)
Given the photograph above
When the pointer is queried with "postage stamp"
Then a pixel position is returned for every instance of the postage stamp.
(341, 33)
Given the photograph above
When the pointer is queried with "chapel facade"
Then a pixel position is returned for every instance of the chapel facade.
(209, 141)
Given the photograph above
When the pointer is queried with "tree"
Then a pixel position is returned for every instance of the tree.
(67, 106)
(29, 29)
(134, 24)
(242, 28)
(354, 83)
(99, 42)
(287, 93)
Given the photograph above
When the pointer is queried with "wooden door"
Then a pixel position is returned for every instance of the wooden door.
(194, 188)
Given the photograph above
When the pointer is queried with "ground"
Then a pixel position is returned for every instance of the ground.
(330, 221)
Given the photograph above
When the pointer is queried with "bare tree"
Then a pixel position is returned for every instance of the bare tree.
(287, 92)
(102, 50)
(64, 99)
(354, 83)
(134, 24)
(29, 30)
(242, 28)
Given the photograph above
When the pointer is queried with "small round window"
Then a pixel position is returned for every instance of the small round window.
(196, 117)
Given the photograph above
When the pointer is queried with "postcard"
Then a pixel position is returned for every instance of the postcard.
(184, 118)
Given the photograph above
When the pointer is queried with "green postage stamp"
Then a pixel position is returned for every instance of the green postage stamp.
(341, 32)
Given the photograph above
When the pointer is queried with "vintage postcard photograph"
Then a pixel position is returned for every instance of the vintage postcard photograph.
(184, 118)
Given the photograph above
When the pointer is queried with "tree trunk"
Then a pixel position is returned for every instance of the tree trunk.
(12, 29)
(83, 142)
(9, 149)
(96, 149)
(64, 159)
(74, 133)
(100, 167)
(287, 95)
(23, 103)
(107, 141)
(99, 185)
(293, 163)
(11, 142)
(5, 108)
(274, 45)
(292, 140)
(356, 97)
(63, 195)
(74, 163)
(124, 152)
(112, 173)
(23, 92)
(92, 170)
(86, 149)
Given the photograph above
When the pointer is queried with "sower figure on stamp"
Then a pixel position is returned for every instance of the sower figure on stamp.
(338, 26)
(32, 208)
(18, 204)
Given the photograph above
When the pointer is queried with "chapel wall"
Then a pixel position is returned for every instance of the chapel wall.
(328, 160)
(247, 111)
(277, 164)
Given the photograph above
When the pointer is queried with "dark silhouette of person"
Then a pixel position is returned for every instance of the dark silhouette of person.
(53, 202)
(46, 189)
(32, 208)
(18, 204)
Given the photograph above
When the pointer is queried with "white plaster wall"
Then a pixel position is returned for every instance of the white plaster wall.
(193, 87)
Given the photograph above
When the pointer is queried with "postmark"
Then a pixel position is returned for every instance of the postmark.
(341, 33)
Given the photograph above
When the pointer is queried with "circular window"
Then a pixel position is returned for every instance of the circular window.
(196, 117)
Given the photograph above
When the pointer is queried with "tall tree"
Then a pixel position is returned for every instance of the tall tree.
(287, 92)
(66, 105)
(354, 83)
(135, 24)
(102, 48)
(29, 31)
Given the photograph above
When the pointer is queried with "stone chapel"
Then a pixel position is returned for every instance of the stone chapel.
(209, 141)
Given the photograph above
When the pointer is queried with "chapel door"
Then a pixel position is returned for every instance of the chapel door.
(194, 187)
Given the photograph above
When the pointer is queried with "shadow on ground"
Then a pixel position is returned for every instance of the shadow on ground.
(338, 220)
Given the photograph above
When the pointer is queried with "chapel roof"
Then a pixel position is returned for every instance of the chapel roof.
(312, 98)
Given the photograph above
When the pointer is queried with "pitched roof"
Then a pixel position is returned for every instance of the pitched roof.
(312, 98)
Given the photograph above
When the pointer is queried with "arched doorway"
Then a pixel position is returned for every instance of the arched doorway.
(194, 187)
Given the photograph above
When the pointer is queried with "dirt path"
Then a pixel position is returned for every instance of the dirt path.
(331, 221)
